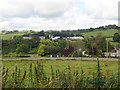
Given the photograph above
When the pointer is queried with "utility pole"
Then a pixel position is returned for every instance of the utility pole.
(92, 52)
(107, 49)
(0, 47)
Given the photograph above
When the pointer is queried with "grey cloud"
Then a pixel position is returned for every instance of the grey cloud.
(28, 8)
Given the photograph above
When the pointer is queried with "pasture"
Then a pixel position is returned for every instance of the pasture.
(63, 64)
(106, 33)
(11, 35)
(60, 71)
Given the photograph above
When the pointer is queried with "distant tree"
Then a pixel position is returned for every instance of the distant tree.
(62, 44)
(92, 29)
(111, 27)
(15, 31)
(22, 49)
(48, 47)
(77, 54)
(79, 44)
(93, 49)
(116, 37)
(41, 50)
(31, 31)
(20, 45)
(97, 45)
(101, 42)
(68, 51)
(34, 41)
(41, 33)
(101, 28)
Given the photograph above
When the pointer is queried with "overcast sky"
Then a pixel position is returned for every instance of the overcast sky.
(57, 14)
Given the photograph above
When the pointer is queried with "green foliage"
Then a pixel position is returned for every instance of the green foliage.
(98, 81)
(62, 44)
(97, 45)
(33, 50)
(73, 48)
(20, 46)
(22, 49)
(36, 77)
(77, 54)
(77, 45)
(11, 35)
(116, 37)
(108, 34)
(41, 50)
(94, 45)
(48, 47)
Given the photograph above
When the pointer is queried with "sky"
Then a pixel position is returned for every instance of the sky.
(57, 14)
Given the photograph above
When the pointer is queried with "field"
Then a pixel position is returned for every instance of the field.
(11, 35)
(106, 33)
(51, 68)
(60, 64)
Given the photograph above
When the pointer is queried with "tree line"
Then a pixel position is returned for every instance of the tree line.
(116, 37)
(66, 33)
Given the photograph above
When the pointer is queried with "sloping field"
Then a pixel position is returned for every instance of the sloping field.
(11, 35)
(106, 33)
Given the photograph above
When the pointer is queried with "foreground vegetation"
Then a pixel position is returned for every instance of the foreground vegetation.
(60, 74)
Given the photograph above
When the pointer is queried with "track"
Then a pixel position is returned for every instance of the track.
(63, 58)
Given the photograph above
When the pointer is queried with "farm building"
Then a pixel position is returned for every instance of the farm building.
(113, 54)
(118, 52)
(73, 38)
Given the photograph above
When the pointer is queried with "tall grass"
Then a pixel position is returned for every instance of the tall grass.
(36, 77)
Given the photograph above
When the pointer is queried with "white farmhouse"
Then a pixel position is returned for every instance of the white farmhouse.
(113, 54)
(118, 52)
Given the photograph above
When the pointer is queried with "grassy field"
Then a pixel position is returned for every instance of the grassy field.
(106, 33)
(11, 35)
(87, 66)
(111, 41)
(59, 74)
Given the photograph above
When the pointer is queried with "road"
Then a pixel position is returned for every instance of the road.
(62, 58)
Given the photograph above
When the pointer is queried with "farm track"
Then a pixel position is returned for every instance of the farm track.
(63, 58)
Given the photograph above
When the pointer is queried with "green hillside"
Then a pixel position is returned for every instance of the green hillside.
(106, 33)
(11, 35)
